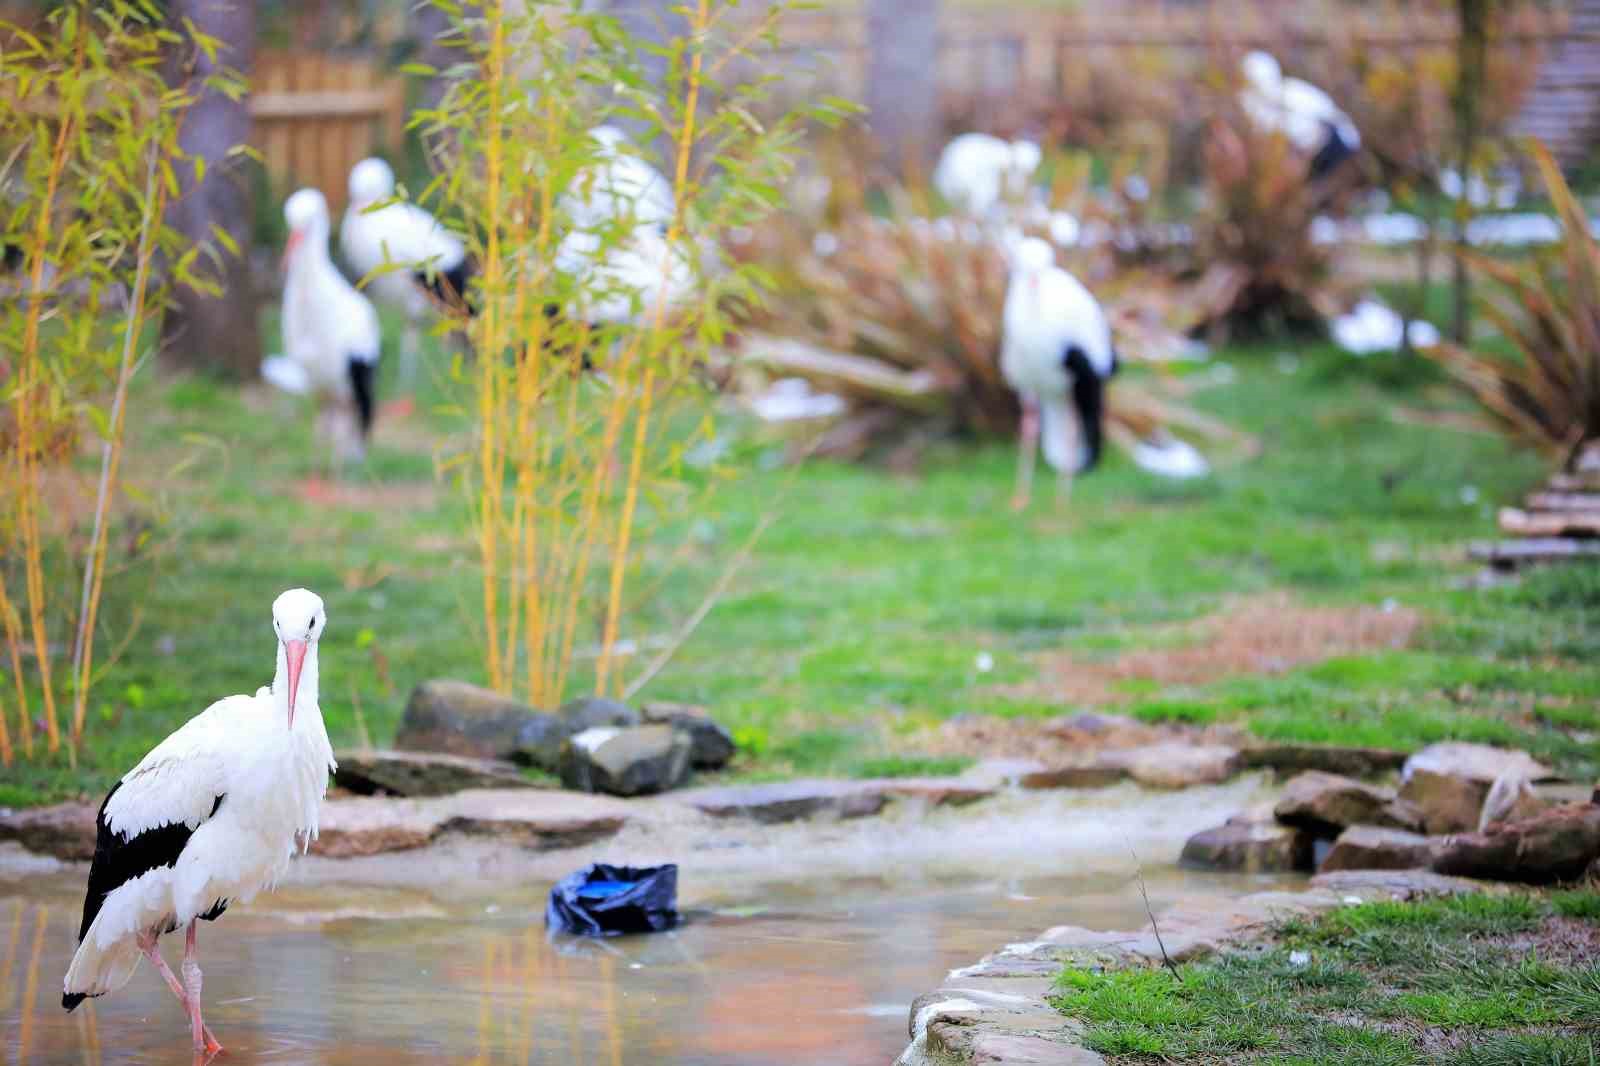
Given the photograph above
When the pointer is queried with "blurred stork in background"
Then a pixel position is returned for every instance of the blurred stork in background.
(1056, 352)
(1303, 113)
(331, 339)
(428, 264)
(977, 173)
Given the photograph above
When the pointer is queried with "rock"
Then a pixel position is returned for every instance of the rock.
(711, 746)
(1371, 847)
(65, 831)
(1369, 885)
(1327, 803)
(1249, 846)
(593, 712)
(1330, 758)
(1091, 775)
(1448, 803)
(455, 718)
(989, 1021)
(539, 741)
(1175, 764)
(1478, 762)
(537, 818)
(1001, 773)
(1093, 729)
(410, 773)
(625, 762)
(1555, 845)
(789, 801)
(374, 825)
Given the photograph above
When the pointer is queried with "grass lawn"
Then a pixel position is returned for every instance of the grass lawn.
(878, 605)
(1468, 981)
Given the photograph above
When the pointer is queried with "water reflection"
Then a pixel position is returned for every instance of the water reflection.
(798, 974)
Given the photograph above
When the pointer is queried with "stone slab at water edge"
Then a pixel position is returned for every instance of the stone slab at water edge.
(366, 772)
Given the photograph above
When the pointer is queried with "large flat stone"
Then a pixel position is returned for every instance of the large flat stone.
(368, 771)
(1329, 803)
(374, 825)
(539, 819)
(1088, 775)
(1371, 847)
(65, 831)
(1480, 762)
(1249, 846)
(1555, 845)
(532, 818)
(1175, 764)
(789, 801)
(1329, 758)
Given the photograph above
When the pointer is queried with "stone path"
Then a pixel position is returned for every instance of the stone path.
(998, 1010)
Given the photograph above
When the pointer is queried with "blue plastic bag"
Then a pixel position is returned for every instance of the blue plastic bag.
(606, 900)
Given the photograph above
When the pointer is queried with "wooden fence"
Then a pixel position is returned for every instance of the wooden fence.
(317, 115)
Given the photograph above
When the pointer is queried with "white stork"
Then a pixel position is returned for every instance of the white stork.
(1303, 113)
(1056, 353)
(618, 188)
(211, 816)
(330, 331)
(976, 172)
(434, 268)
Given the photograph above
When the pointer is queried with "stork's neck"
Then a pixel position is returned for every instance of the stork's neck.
(306, 709)
(311, 258)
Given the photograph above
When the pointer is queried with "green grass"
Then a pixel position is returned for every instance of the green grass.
(878, 605)
(1379, 983)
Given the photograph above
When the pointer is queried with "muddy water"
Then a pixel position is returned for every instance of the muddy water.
(807, 969)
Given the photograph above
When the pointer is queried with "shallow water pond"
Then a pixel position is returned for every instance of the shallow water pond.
(817, 973)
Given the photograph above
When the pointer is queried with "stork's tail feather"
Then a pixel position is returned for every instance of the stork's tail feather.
(94, 972)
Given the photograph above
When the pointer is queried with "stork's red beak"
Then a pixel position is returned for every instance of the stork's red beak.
(295, 652)
(295, 237)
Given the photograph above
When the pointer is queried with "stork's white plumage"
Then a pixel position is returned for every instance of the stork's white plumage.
(976, 172)
(433, 261)
(1303, 113)
(624, 283)
(618, 188)
(329, 329)
(1056, 352)
(211, 816)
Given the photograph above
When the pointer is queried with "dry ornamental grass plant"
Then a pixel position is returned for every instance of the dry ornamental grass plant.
(1548, 393)
(591, 327)
(89, 159)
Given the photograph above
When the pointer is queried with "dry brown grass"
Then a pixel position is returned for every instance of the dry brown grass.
(1266, 635)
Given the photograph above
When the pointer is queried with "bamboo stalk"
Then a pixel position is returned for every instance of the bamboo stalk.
(619, 555)
(111, 453)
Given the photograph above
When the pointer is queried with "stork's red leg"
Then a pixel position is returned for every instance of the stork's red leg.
(147, 944)
(1027, 448)
(203, 1040)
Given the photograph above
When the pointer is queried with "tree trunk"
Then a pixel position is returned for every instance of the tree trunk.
(1472, 61)
(903, 80)
(204, 332)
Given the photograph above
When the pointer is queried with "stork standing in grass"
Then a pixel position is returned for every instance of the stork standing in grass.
(1303, 113)
(427, 264)
(1056, 353)
(211, 816)
(331, 338)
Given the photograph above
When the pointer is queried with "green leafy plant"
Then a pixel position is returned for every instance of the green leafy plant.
(569, 470)
(89, 158)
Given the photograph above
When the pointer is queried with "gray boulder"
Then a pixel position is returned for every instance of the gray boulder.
(626, 761)
(1249, 845)
(1477, 762)
(1449, 803)
(594, 712)
(1371, 847)
(455, 718)
(412, 773)
(539, 741)
(710, 745)
(1328, 803)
